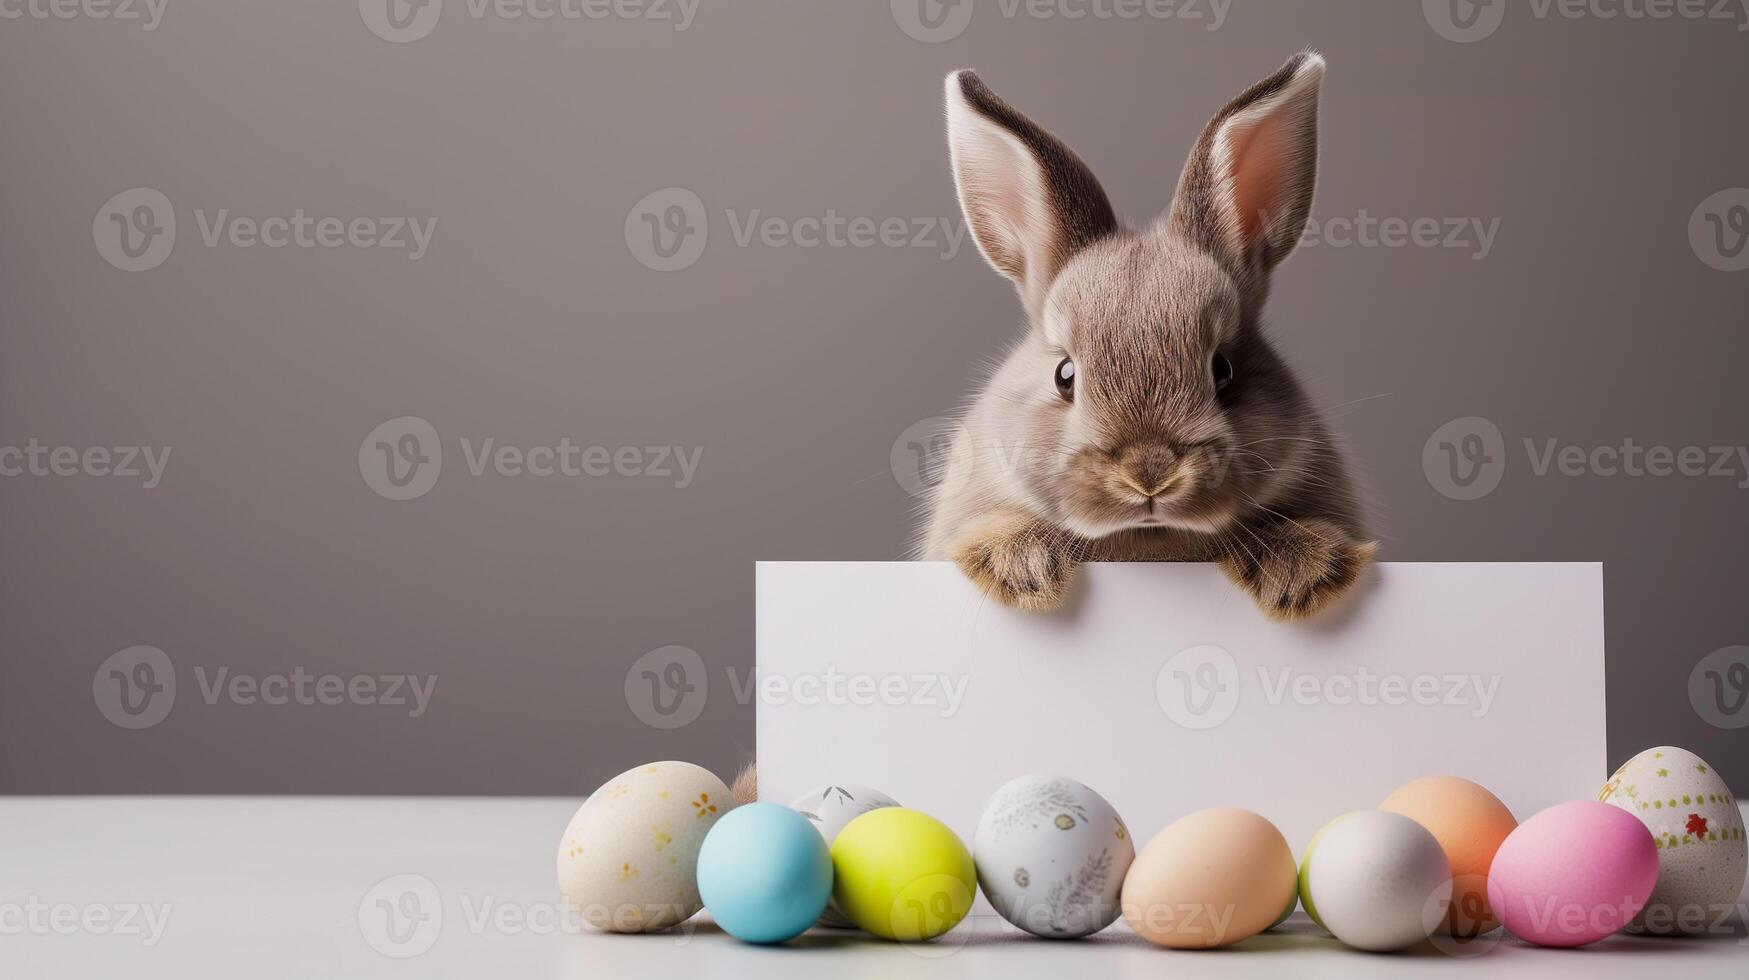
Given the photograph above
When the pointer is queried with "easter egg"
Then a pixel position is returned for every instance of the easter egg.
(1051, 856)
(1698, 830)
(1573, 874)
(1213, 878)
(764, 874)
(829, 808)
(628, 860)
(901, 874)
(1470, 824)
(1378, 881)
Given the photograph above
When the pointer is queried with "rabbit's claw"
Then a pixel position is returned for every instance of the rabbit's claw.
(1296, 568)
(1015, 560)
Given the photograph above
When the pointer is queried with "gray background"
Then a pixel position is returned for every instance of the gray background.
(1591, 320)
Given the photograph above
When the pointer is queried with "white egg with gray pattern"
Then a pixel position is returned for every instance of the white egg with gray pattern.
(829, 808)
(1051, 856)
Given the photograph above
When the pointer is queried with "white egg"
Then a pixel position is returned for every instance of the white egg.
(829, 808)
(1702, 851)
(1051, 856)
(1376, 880)
(628, 862)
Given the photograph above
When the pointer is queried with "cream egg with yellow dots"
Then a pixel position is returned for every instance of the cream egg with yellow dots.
(628, 861)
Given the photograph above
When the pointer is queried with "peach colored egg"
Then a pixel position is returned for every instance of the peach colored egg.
(1214, 878)
(1470, 824)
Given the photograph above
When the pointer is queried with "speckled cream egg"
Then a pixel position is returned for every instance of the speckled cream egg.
(1051, 856)
(1702, 852)
(628, 861)
(829, 808)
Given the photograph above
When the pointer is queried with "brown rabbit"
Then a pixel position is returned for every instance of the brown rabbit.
(1144, 416)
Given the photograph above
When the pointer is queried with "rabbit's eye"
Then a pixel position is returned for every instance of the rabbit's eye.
(1223, 371)
(1065, 375)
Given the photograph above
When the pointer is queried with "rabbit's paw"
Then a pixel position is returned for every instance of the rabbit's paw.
(1016, 560)
(1296, 568)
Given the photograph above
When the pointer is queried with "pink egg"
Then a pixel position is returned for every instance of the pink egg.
(1573, 874)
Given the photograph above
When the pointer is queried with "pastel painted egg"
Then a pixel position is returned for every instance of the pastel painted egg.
(629, 859)
(764, 874)
(1470, 824)
(1698, 829)
(901, 874)
(1051, 856)
(1573, 874)
(1213, 878)
(829, 809)
(1378, 881)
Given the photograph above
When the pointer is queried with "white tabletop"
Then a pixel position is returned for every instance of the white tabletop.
(189, 888)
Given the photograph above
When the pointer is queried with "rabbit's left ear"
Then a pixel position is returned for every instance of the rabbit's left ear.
(1246, 192)
(1029, 200)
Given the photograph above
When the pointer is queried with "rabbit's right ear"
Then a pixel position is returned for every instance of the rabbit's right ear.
(1029, 200)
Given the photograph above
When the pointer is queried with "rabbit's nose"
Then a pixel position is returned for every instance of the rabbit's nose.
(1148, 469)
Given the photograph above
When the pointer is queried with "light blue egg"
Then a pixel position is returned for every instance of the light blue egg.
(764, 873)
